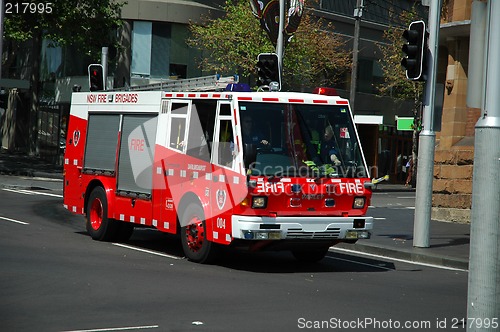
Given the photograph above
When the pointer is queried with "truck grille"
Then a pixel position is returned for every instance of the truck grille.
(298, 233)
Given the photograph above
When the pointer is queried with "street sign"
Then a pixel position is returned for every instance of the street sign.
(404, 123)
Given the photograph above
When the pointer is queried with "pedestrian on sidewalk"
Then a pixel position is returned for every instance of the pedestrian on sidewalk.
(409, 171)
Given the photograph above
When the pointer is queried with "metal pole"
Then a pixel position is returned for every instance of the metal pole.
(483, 300)
(280, 42)
(477, 64)
(358, 12)
(104, 63)
(427, 138)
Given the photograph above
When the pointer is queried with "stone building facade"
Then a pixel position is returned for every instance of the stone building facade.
(454, 154)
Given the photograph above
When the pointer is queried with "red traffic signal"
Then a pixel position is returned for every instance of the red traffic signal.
(415, 48)
(96, 77)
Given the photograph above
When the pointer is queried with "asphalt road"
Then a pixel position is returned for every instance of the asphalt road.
(54, 277)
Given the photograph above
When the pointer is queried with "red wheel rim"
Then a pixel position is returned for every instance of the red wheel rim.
(195, 234)
(96, 214)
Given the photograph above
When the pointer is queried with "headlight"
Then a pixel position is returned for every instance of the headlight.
(259, 202)
(359, 203)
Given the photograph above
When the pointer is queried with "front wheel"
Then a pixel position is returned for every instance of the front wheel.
(98, 225)
(193, 236)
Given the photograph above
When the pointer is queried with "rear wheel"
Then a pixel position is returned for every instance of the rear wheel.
(310, 256)
(193, 236)
(98, 225)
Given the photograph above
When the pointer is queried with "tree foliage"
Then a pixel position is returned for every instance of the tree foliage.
(85, 24)
(231, 44)
(395, 82)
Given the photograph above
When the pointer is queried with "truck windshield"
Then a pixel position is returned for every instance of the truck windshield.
(300, 140)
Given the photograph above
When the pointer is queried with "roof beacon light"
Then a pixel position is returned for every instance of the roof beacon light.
(242, 87)
(325, 91)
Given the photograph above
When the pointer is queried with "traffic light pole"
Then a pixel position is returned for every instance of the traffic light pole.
(483, 298)
(104, 63)
(280, 42)
(427, 138)
(358, 13)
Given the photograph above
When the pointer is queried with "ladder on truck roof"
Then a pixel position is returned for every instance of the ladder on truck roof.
(203, 83)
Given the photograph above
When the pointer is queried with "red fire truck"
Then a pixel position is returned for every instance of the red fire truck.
(258, 170)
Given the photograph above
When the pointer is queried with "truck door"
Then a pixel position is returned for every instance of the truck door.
(173, 162)
(227, 184)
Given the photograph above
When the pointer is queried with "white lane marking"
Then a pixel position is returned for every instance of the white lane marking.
(17, 191)
(359, 263)
(380, 218)
(398, 259)
(16, 221)
(30, 192)
(146, 251)
(127, 328)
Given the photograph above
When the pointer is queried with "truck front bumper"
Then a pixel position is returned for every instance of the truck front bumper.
(295, 228)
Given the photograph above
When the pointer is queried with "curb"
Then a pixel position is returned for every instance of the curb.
(417, 255)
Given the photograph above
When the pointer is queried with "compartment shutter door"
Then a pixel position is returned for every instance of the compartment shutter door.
(102, 138)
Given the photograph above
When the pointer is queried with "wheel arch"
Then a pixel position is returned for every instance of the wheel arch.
(107, 189)
(185, 201)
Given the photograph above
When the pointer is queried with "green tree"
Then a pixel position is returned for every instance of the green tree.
(87, 25)
(230, 44)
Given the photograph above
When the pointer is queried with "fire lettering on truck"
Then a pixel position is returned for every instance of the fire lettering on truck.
(346, 188)
(97, 98)
(270, 187)
(136, 144)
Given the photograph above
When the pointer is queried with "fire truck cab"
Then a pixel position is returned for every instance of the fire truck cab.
(260, 170)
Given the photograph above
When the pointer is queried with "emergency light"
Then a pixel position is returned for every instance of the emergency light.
(241, 87)
(325, 91)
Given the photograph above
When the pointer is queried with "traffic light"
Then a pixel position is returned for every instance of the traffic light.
(96, 77)
(416, 51)
(268, 69)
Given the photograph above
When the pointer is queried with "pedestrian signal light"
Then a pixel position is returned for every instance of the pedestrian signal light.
(415, 48)
(268, 69)
(96, 77)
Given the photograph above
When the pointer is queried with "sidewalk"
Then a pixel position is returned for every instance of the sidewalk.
(23, 165)
(449, 242)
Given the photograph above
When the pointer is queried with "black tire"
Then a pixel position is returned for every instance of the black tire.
(98, 225)
(193, 236)
(311, 255)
